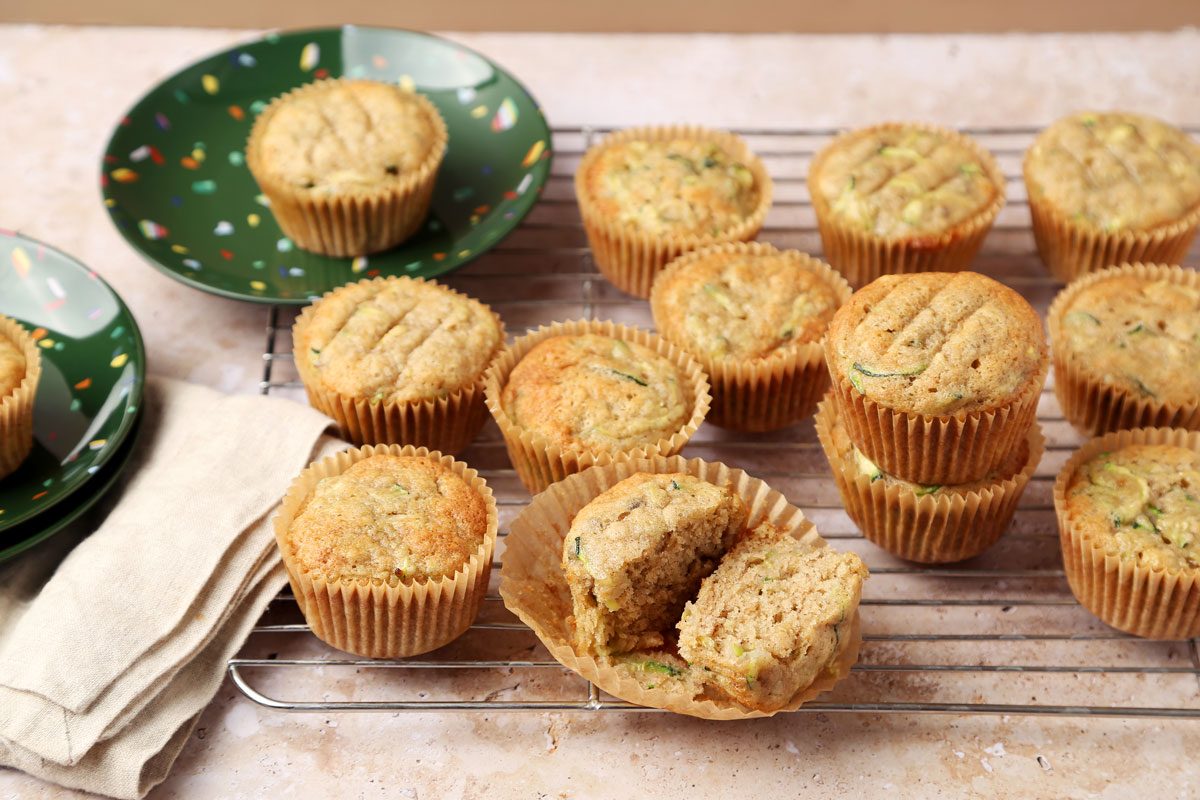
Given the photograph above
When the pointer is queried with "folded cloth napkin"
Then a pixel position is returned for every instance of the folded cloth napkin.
(108, 656)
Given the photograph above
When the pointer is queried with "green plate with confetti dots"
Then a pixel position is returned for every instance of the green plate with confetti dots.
(93, 370)
(175, 181)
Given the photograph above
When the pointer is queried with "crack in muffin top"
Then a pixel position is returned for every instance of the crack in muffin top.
(12, 366)
(937, 343)
(1115, 171)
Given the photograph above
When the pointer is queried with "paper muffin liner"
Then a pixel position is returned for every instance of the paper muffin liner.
(630, 259)
(539, 462)
(935, 528)
(355, 223)
(16, 408)
(1093, 406)
(1140, 600)
(761, 394)
(863, 256)
(446, 424)
(533, 585)
(392, 618)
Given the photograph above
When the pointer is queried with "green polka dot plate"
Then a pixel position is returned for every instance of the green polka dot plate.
(93, 370)
(175, 181)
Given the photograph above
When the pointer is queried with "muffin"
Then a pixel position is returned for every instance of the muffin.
(638, 552)
(1106, 188)
(937, 375)
(20, 371)
(388, 549)
(1125, 343)
(754, 317)
(899, 197)
(932, 523)
(574, 394)
(1128, 507)
(398, 360)
(348, 166)
(772, 617)
(648, 195)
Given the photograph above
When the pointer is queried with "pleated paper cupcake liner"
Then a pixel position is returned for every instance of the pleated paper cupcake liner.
(392, 618)
(534, 586)
(539, 462)
(951, 524)
(863, 256)
(16, 409)
(762, 394)
(350, 224)
(1144, 601)
(631, 259)
(1093, 406)
(447, 424)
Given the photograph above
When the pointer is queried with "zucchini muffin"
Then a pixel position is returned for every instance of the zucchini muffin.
(637, 553)
(20, 371)
(772, 617)
(1125, 342)
(648, 195)
(347, 165)
(1105, 188)
(937, 375)
(398, 360)
(754, 317)
(1129, 517)
(903, 198)
(388, 548)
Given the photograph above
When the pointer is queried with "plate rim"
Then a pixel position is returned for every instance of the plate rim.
(438, 272)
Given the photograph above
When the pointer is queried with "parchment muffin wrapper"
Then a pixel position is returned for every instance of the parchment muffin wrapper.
(392, 618)
(16, 408)
(533, 585)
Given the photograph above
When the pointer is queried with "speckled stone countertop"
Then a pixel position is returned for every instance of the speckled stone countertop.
(62, 89)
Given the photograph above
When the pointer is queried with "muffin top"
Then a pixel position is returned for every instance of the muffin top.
(937, 343)
(403, 516)
(12, 366)
(1141, 502)
(1115, 171)
(1137, 333)
(596, 393)
(744, 305)
(346, 136)
(683, 187)
(397, 340)
(899, 182)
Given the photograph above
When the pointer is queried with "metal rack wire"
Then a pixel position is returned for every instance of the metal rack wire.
(999, 634)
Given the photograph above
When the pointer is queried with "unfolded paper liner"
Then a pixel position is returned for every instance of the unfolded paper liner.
(630, 259)
(446, 424)
(352, 223)
(392, 618)
(936, 528)
(761, 394)
(1093, 406)
(16, 408)
(863, 256)
(533, 585)
(539, 462)
(1140, 600)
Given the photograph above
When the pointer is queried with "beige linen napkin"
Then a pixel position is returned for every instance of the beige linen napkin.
(106, 664)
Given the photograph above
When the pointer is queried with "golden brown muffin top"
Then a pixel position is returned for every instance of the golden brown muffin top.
(400, 340)
(683, 187)
(744, 305)
(597, 393)
(346, 136)
(1140, 334)
(12, 366)
(937, 343)
(389, 516)
(1141, 502)
(1115, 171)
(904, 182)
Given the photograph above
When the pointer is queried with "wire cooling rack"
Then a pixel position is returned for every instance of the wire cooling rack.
(999, 634)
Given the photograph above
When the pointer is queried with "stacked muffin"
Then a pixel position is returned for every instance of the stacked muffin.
(930, 426)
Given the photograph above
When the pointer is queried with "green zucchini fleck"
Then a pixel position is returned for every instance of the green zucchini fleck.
(907, 373)
(578, 545)
(856, 382)
(1143, 388)
(657, 666)
(924, 490)
(629, 377)
(969, 169)
(1139, 328)
(675, 485)
(400, 490)
(709, 162)
(866, 466)
(1082, 316)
